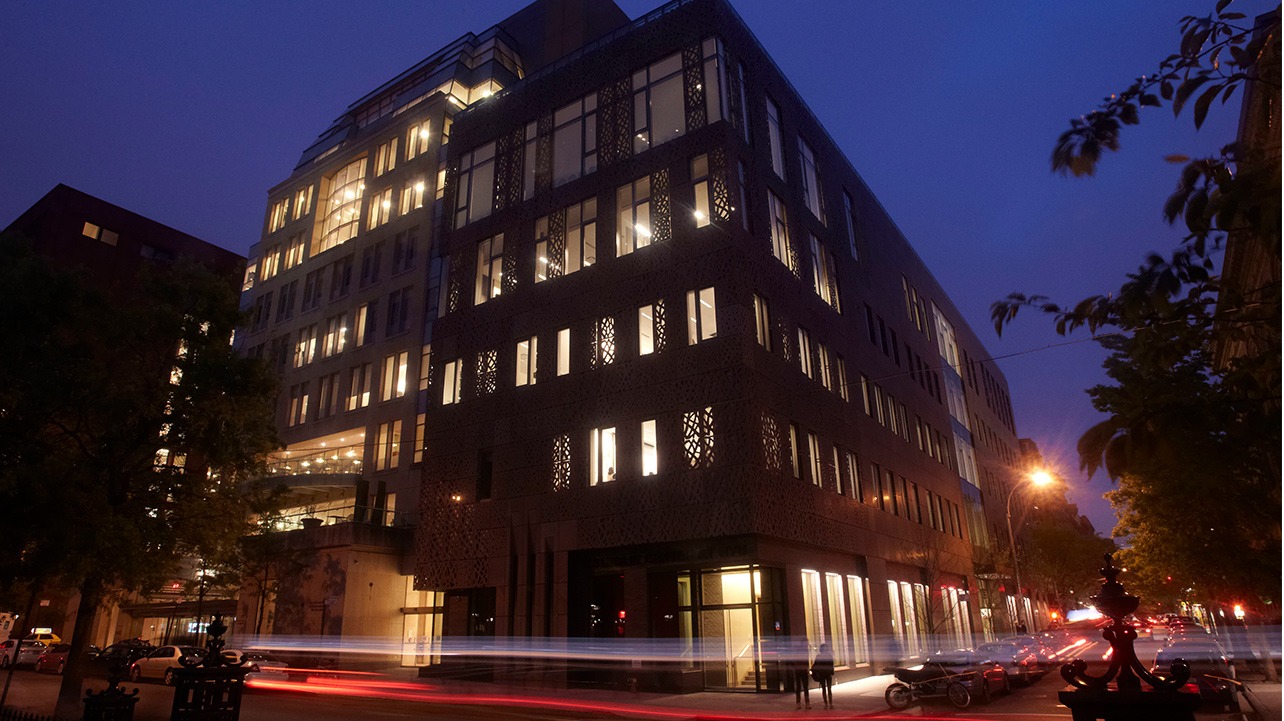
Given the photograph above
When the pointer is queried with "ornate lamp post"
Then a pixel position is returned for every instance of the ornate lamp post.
(1039, 478)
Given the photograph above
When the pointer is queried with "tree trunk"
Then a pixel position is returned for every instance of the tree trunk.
(73, 676)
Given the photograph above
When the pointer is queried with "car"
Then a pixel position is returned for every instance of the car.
(1021, 664)
(161, 662)
(1039, 647)
(991, 678)
(120, 655)
(261, 663)
(1210, 670)
(20, 653)
(54, 659)
(45, 637)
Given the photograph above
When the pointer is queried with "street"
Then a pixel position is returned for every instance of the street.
(398, 695)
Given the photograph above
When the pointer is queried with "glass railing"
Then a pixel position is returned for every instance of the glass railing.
(313, 461)
(338, 515)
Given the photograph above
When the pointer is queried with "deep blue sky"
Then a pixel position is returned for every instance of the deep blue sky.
(189, 112)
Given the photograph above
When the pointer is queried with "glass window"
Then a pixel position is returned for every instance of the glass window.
(603, 448)
(398, 312)
(526, 360)
(388, 446)
(450, 382)
(278, 215)
(575, 140)
(650, 453)
(336, 335)
(380, 209)
(773, 138)
(302, 202)
(842, 380)
(700, 184)
(386, 157)
(421, 427)
(603, 342)
(804, 353)
(648, 330)
(476, 186)
(563, 351)
(271, 262)
(702, 316)
(417, 139)
(856, 590)
(762, 321)
(412, 194)
(295, 247)
(813, 455)
(849, 220)
(395, 368)
(811, 181)
(298, 404)
(487, 376)
(822, 361)
(698, 437)
(633, 229)
(341, 196)
(404, 245)
(659, 113)
(794, 453)
(823, 275)
(779, 231)
(490, 269)
(305, 346)
(361, 381)
(579, 242)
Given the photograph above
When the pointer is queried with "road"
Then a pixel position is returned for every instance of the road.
(395, 697)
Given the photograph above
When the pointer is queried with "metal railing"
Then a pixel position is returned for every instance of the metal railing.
(310, 461)
(337, 515)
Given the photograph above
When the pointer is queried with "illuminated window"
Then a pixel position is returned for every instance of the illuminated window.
(579, 242)
(575, 140)
(633, 229)
(698, 437)
(490, 269)
(843, 391)
(849, 221)
(295, 250)
(388, 446)
(363, 326)
(700, 184)
(360, 382)
(476, 187)
(851, 485)
(603, 449)
(298, 412)
(271, 262)
(826, 372)
(794, 452)
(386, 157)
(813, 455)
(305, 346)
(336, 335)
(417, 136)
(278, 215)
(762, 321)
(823, 274)
(342, 195)
(812, 196)
(528, 161)
(302, 202)
(450, 382)
(487, 375)
(779, 231)
(327, 395)
(561, 462)
(527, 355)
(650, 453)
(421, 427)
(650, 330)
(773, 138)
(563, 351)
(395, 368)
(412, 195)
(702, 316)
(425, 366)
(659, 114)
(804, 353)
(603, 342)
(380, 209)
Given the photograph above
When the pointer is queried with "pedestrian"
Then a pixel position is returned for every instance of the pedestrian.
(822, 669)
(796, 665)
(1021, 628)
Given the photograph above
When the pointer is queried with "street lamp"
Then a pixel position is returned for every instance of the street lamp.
(1038, 478)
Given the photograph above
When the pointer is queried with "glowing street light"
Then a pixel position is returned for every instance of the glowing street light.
(1037, 478)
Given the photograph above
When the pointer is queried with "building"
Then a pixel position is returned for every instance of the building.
(671, 370)
(112, 245)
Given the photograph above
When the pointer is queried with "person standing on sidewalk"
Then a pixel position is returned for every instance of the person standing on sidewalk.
(822, 669)
(796, 665)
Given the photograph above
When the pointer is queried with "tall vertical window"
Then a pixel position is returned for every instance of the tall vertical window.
(340, 277)
(603, 449)
(417, 136)
(451, 382)
(425, 366)
(305, 346)
(364, 324)
(327, 395)
(762, 321)
(700, 185)
(298, 412)
(371, 257)
(650, 330)
(823, 275)
(826, 373)
(490, 269)
(843, 391)
(395, 368)
(795, 455)
(811, 181)
(633, 229)
(773, 138)
(575, 140)
(398, 312)
(779, 230)
(563, 351)
(341, 197)
(385, 157)
(702, 316)
(849, 221)
(295, 249)
(527, 353)
(403, 249)
(302, 202)
(336, 335)
(271, 262)
(804, 353)
(476, 187)
(278, 215)
(380, 209)
(852, 487)
(388, 446)
(579, 242)
(360, 383)
(421, 427)
(650, 451)
(487, 376)
(412, 194)
(603, 342)
(698, 437)
(856, 590)
(659, 113)
(312, 287)
(813, 455)
(528, 160)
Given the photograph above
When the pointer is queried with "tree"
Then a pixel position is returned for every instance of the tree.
(1193, 444)
(126, 426)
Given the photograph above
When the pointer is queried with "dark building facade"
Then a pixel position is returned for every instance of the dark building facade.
(688, 380)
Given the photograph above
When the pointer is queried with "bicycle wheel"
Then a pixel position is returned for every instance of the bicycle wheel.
(958, 695)
(898, 696)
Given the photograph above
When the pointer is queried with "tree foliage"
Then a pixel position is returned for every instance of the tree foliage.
(126, 425)
(1193, 443)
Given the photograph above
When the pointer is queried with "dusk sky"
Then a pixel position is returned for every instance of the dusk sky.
(189, 112)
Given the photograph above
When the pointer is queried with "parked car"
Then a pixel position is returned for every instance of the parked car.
(20, 653)
(1021, 664)
(161, 662)
(990, 677)
(44, 637)
(1035, 644)
(54, 659)
(261, 663)
(120, 655)
(1209, 669)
